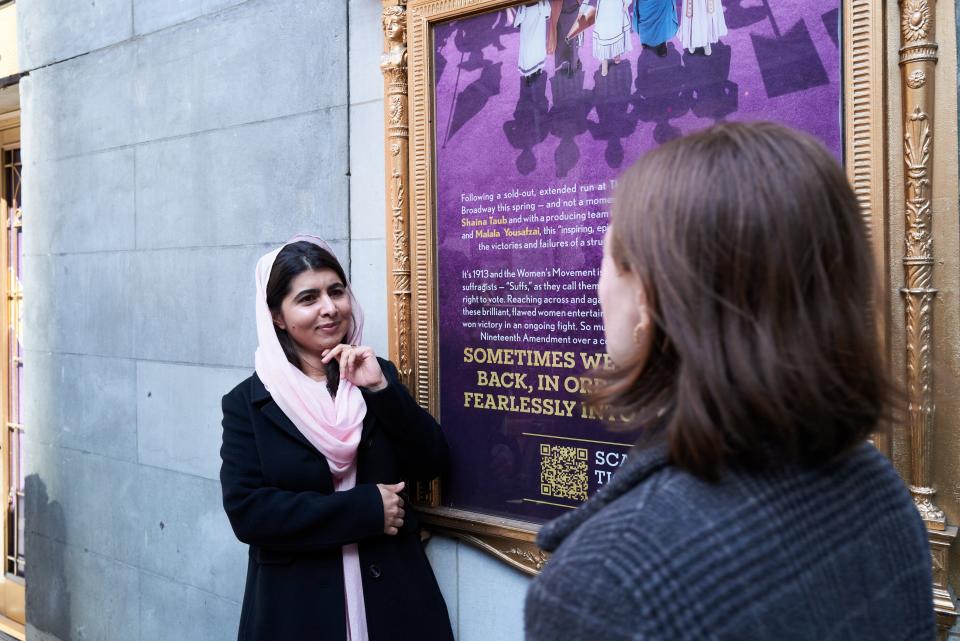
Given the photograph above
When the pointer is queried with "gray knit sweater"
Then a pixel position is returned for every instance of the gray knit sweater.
(837, 553)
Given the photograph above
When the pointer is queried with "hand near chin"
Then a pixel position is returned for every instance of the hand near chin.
(358, 364)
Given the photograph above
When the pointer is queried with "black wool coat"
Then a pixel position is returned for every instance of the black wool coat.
(278, 494)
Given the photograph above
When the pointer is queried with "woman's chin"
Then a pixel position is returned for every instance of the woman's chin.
(324, 344)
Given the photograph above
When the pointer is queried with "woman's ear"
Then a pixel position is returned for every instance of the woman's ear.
(278, 321)
(643, 311)
(642, 331)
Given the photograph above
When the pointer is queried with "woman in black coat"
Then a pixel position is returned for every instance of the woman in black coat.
(279, 488)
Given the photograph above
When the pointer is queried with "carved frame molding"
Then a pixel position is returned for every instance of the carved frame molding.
(864, 130)
(918, 59)
(410, 187)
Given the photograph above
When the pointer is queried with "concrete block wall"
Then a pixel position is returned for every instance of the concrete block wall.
(367, 199)
(167, 144)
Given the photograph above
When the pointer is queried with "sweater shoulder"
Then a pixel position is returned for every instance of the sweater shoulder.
(752, 542)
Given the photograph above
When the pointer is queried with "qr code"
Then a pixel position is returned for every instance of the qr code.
(563, 472)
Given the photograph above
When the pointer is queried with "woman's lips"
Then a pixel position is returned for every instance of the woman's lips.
(328, 327)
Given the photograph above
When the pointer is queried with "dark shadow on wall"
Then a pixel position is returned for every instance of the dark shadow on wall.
(831, 22)
(471, 101)
(568, 118)
(661, 94)
(737, 16)
(48, 597)
(529, 126)
(475, 34)
(712, 94)
(789, 62)
(441, 34)
(616, 121)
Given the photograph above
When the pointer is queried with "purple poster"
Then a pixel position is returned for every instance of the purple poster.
(537, 110)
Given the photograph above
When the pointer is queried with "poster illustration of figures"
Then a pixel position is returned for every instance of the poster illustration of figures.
(537, 109)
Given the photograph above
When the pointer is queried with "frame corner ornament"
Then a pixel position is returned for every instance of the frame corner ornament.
(529, 555)
(510, 541)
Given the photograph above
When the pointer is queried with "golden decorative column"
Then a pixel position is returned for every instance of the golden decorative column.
(918, 59)
(393, 64)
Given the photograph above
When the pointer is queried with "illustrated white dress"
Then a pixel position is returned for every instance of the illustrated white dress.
(611, 31)
(701, 24)
(532, 20)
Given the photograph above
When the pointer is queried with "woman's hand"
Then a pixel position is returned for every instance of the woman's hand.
(359, 365)
(392, 507)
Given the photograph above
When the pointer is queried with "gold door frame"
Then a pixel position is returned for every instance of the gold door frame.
(408, 77)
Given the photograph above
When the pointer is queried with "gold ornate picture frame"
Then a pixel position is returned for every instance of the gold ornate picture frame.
(408, 69)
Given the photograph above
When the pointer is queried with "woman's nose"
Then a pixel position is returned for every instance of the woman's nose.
(327, 308)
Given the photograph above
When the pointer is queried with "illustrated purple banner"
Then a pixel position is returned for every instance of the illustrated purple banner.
(531, 131)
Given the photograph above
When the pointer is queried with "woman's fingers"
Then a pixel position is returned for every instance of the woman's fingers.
(358, 364)
(350, 356)
(393, 511)
(354, 360)
(335, 352)
(346, 355)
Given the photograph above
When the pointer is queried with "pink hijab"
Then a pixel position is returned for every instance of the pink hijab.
(331, 424)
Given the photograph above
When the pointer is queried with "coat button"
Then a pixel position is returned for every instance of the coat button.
(375, 571)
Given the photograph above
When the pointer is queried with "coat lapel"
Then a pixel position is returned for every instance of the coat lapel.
(273, 412)
(269, 408)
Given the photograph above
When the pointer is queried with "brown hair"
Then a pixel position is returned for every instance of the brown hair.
(750, 245)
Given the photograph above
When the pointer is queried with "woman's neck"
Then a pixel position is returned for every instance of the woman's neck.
(313, 367)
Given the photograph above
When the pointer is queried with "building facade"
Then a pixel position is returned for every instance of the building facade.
(165, 145)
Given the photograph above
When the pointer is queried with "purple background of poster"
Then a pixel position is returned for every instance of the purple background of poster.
(494, 131)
